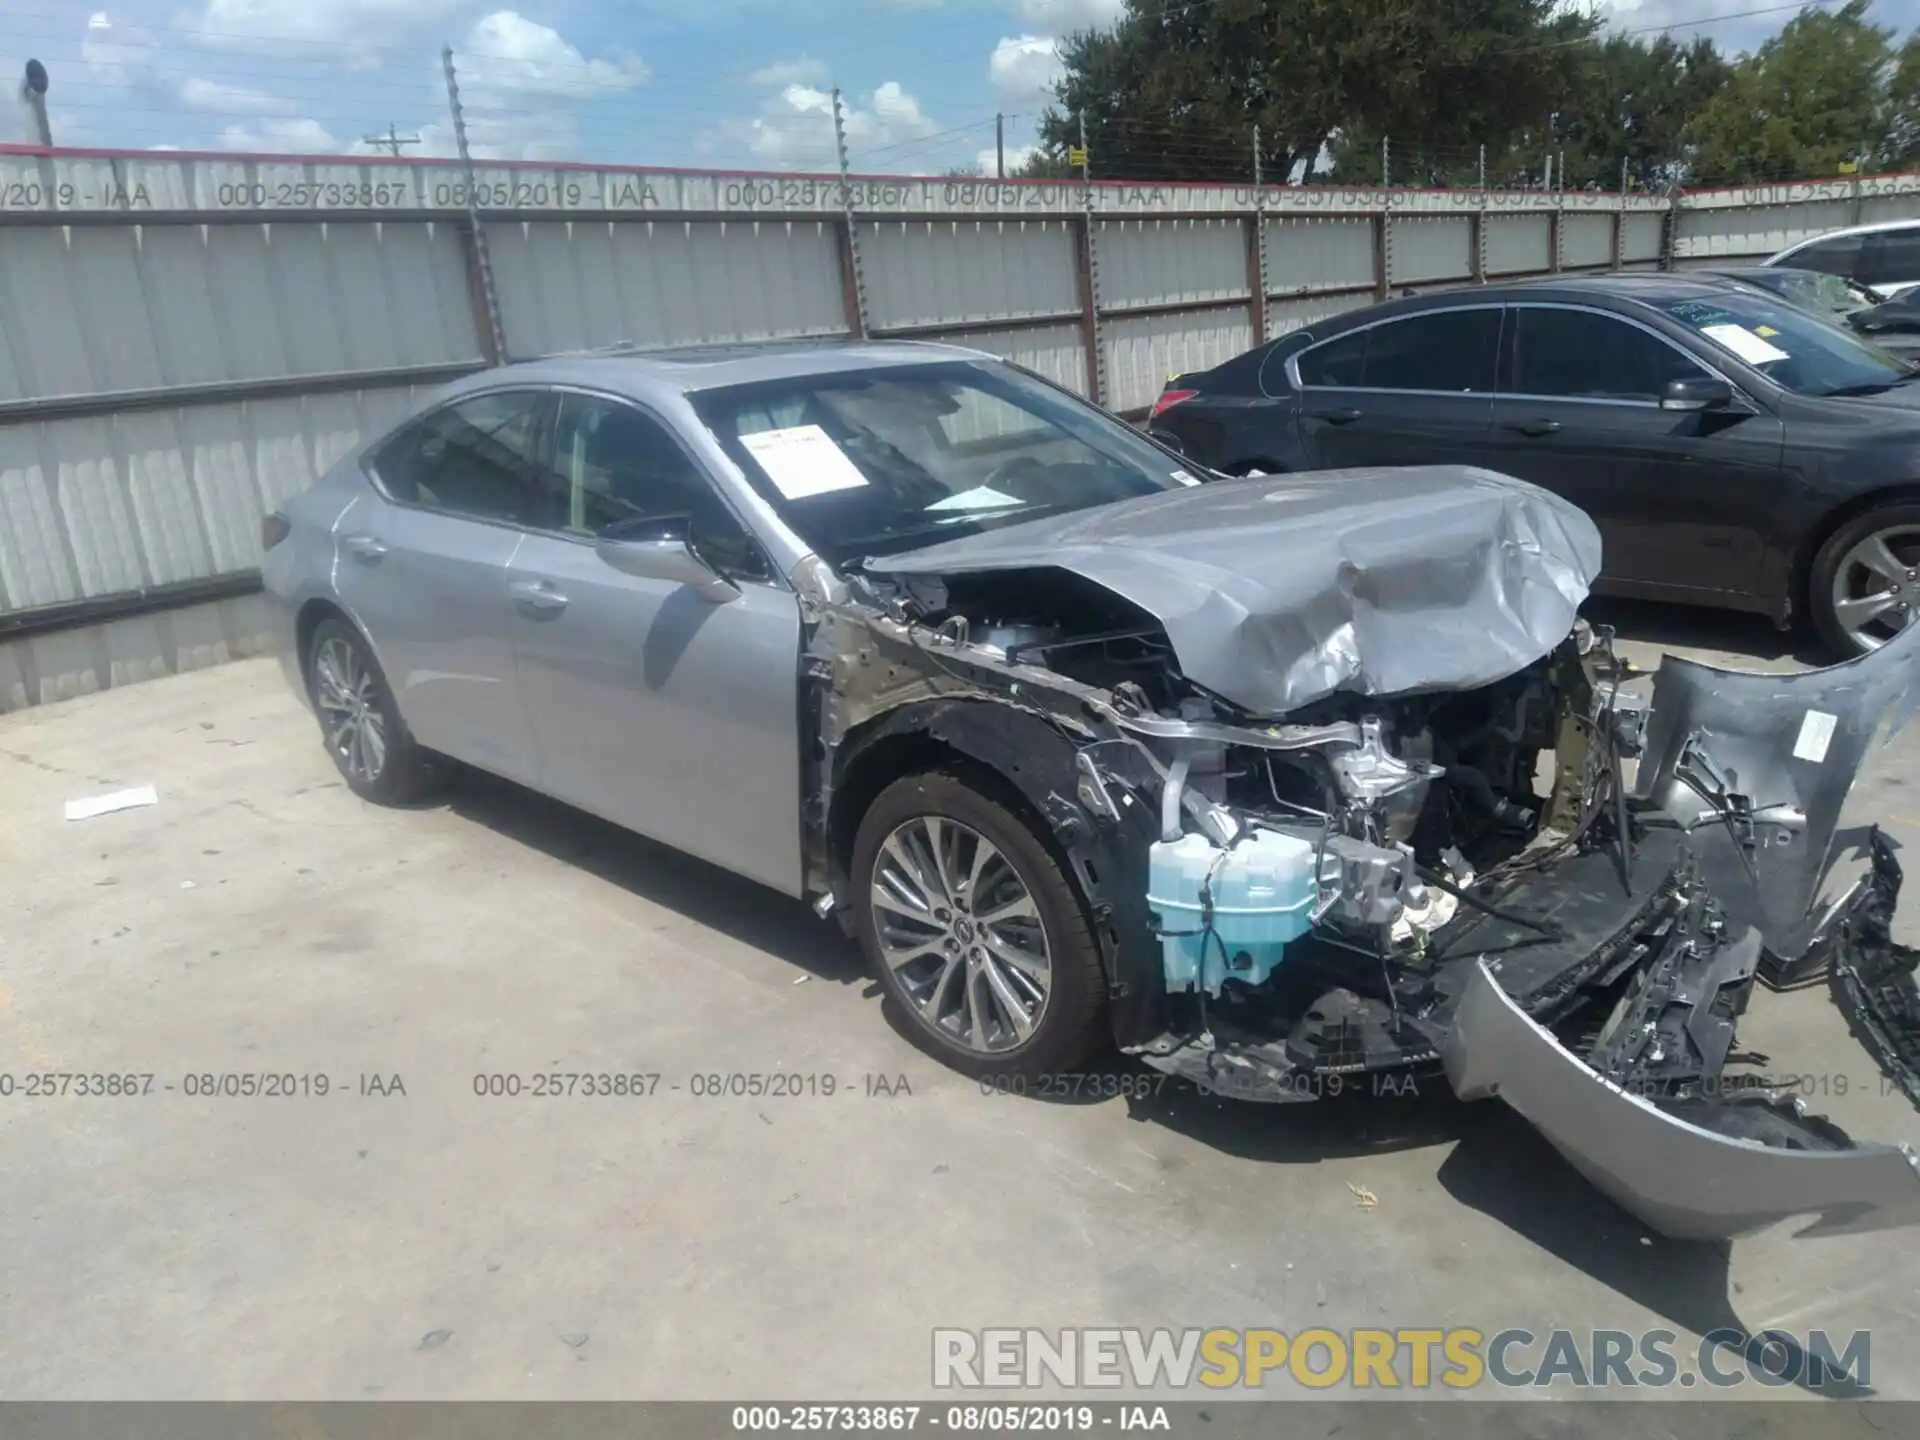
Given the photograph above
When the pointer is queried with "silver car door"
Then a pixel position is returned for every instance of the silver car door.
(421, 565)
(661, 708)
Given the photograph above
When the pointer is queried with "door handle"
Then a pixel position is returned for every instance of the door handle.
(1534, 427)
(1341, 415)
(366, 548)
(537, 597)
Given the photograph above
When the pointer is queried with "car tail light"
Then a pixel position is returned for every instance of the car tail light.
(1170, 398)
(274, 528)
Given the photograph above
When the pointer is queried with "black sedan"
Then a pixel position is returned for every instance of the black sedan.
(1733, 449)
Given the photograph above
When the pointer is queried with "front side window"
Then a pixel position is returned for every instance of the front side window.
(1581, 355)
(1799, 351)
(475, 458)
(873, 462)
(613, 463)
(1449, 351)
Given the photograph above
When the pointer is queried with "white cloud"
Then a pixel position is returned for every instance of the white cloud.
(115, 53)
(517, 79)
(255, 24)
(794, 131)
(782, 73)
(288, 137)
(987, 161)
(508, 54)
(1024, 69)
(211, 95)
(1068, 17)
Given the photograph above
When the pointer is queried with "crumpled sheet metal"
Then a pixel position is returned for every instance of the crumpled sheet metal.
(1684, 1181)
(1278, 591)
(1793, 745)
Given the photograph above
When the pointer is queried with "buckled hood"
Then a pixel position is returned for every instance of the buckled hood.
(1276, 592)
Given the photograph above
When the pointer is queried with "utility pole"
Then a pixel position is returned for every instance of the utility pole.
(999, 146)
(1483, 167)
(391, 141)
(1386, 171)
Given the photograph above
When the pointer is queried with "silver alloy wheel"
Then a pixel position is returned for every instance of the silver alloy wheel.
(958, 927)
(349, 713)
(1876, 587)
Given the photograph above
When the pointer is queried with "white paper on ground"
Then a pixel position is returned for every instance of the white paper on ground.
(802, 460)
(92, 805)
(1744, 343)
(1816, 734)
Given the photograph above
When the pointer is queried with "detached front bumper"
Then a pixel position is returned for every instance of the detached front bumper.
(1685, 1180)
(1756, 769)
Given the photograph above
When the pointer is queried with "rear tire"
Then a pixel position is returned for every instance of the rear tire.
(1864, 571)
(975, 931)
(359, 723)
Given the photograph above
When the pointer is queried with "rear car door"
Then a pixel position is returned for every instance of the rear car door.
(1413, 390)
(1680, 497)
(654, 707)
(422, 568)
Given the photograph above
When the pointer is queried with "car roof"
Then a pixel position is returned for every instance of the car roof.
(683, 370)
(1876, 227)
(1646, 286)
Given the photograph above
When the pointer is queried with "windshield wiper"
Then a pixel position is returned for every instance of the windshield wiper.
(1876, 387)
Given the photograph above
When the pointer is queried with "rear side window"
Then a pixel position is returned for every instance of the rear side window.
(1449, 351)
(474, 459)
(1838, 256)
(1890, 258)
(1338, 362)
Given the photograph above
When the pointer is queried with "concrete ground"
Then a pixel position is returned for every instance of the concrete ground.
(440, 1243)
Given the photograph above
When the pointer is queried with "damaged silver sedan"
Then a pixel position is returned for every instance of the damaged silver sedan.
(1267, 782)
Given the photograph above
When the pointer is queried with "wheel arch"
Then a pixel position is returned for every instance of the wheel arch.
(1029, 765)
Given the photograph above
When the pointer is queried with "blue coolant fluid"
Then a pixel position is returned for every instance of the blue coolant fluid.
(1263, 891)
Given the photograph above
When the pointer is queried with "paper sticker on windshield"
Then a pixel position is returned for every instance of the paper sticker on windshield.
(802, 460)
(1816, 734)
(1183, 477)
(981, 497)
(1744, 343)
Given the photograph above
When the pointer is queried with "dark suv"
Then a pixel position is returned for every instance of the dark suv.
(1734, 449)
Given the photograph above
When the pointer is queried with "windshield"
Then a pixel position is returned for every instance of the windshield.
(870, 462)
(1789, 345)
(1826, 294)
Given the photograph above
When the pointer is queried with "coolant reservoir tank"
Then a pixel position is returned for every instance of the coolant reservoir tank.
(1262, 888)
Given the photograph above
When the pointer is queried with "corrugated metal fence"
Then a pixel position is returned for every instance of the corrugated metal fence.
(185, 340)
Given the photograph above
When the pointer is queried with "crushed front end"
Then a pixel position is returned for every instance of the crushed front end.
(1378, 818)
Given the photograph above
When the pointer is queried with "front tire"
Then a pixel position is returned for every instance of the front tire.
(359, 723)
(1864, 585)
(975, 931)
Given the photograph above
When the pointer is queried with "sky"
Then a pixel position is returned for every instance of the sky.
(719, 84)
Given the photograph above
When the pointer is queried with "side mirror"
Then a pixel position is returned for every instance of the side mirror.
(1703, 394)
(658, 548)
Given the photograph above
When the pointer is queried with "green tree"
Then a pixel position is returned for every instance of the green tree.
(1901, 147)
(1812, 99)
(1174, 89)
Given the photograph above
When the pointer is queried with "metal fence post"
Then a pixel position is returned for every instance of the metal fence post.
(1386, 164)
(1257, 248)
(1090, 275)
(493, 331)
(855, 273)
